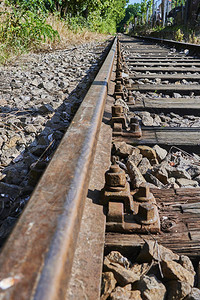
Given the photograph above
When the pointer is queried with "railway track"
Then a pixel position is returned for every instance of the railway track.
(142, 114)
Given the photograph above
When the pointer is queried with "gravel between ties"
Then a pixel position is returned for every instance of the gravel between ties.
(39, 96)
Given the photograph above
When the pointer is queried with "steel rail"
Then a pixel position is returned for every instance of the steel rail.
(36, 261)
(179, 45)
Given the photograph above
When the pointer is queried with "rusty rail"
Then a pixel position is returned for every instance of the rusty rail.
(37, 258)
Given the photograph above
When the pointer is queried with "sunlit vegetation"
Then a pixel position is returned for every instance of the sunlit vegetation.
(31, 24)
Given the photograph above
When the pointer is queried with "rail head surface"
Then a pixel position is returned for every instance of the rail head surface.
(179, 45)
(36, 261)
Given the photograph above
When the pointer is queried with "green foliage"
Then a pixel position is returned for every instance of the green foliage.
(100, 16)
(131, 12)
(176, 3)
(179, 35)
(24, 29)
(192, 38)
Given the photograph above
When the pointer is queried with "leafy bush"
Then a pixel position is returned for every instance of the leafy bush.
(179, 36)
(24, 27)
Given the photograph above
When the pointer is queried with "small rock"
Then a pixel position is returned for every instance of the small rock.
(10, 189)
(179, 172)
(194, 171)
(160, 152)
(151, 288)
(30, 129)
(48, 85)
(165, 118)
(194, 295)
(186, 182)
(141, 269)
(148, 152)
(176, 95)
(147, 120)
(1, 142)
(174, 271)
(197, 179)
(38, 150)
(122, 275)
(35, 82)
(144, 165)
(152, 250)
(177, 290)
(172, 182)
(12, 142)
(135, 174)
(45, 109)
(117, 257)
(125, 294)
(184, 81)
(136, 157)
(123, 149)
(158, 80)
(172, 114)
(152, 179)
(161, 173)
(39, 120)
(186, 263)
(107, 285)
(157, 121)
(153, 161)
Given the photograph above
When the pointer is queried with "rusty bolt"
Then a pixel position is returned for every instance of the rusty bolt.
(135, 127)
(117, 127)
(143, 194)
(146, 213)
(130, 98)
(119, 66)
(118, 74)
(134, 120)
(118, 87)
(127, 83)
(117, 111)
(115, 177)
